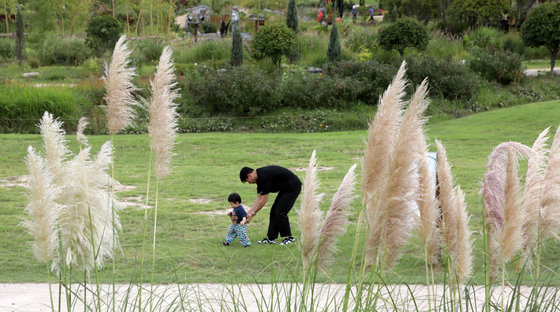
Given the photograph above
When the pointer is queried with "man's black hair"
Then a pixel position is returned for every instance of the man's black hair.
(244, 173)
(234, 198)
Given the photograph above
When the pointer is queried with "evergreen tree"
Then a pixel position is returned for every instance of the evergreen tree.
(236, 47)
(333, 51)
(19, 36)
(291, 17)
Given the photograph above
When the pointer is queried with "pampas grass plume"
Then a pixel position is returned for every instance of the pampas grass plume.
(550, 202)
(118, 83)
(42, 210)
(534, 183)
(447, 199)
(309, 213)
(55, 145)
(512, 236)
(336, 221)
(162, 126)
(382, 135)
(82, 123)
(463, 259)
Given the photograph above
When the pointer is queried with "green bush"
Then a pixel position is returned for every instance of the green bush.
(513, 43)
(308, 91)
(239, 91)
(63, 51)
(7, 48)
(501, 66)
(146, 51)
(486, 38)
(447, 79)
(369, 79)
(21, 107)
(356, 41)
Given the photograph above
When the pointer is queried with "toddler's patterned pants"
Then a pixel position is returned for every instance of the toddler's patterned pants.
(238, 230)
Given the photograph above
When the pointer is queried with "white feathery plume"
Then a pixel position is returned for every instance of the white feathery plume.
(398, 199)
(493, 190)
(87, 194)
(463, 259)
(514, 214)
(55, 146)
(550, 202)
(42, 209)
(382, 135)
(310, 214)
(534, 183)
(336, 221)
(448, 201)
(162, 126)
(82, 124)
(119, 86)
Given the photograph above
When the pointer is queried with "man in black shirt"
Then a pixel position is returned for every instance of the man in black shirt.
(272, 179)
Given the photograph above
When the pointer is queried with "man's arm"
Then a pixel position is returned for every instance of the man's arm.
(257, 206)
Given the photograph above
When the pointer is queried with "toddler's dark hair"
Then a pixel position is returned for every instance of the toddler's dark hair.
(234, 198)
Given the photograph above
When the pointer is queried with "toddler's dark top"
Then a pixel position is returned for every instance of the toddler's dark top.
(238, 214)
(272, 179)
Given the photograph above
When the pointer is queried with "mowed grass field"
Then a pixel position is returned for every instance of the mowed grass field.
(193, 199)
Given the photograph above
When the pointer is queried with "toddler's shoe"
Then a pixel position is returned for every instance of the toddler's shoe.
(225, 243)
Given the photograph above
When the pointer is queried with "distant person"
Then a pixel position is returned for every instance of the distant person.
(238, 216)
(272, 179)
(354, 12)
(223, 28)
(371, 12)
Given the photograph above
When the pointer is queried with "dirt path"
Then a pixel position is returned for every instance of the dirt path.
(28, 297)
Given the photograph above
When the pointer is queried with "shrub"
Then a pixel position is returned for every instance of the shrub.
(513, 43)
(501, 66)
(308, 91)
(369, 79)
(447, 79)
(485, 38)
(240, 91)
(7, 48)
(63, 51)
(359, 40)
(146, 51)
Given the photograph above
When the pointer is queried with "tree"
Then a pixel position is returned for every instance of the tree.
(236, 47)
(291, 17)
(102, 34)
(542, 28)
(405, 32)
(19, 36)
(333, 51)
(274, 41)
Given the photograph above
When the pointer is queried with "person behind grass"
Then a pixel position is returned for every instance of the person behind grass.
(272, 179)
(238, 216)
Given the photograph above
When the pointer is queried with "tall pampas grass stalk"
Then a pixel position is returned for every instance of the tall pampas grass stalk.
(42, 211)
(55, 146)
(382, 134)
(162, 126)
(118, 83)
(534, 183)
(495, 200)
(336, 221)
(463, 261)
(309, 213)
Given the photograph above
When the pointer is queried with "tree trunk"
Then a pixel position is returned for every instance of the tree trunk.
(553, 53)
(6, 15)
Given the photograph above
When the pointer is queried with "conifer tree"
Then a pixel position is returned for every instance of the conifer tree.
(333, 51)
(291, 17)
(236, 47)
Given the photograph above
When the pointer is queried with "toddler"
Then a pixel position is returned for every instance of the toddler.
(239, 222)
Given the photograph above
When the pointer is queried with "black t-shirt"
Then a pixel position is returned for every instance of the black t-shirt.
(272, 179)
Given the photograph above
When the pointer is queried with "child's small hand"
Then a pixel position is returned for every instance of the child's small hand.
(242, 222)
(229, 213)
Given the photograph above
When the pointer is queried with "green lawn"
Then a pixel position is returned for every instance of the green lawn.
(207, 167)
(537, 64)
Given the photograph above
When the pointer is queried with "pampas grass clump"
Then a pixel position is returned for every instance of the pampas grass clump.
(77, 193)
